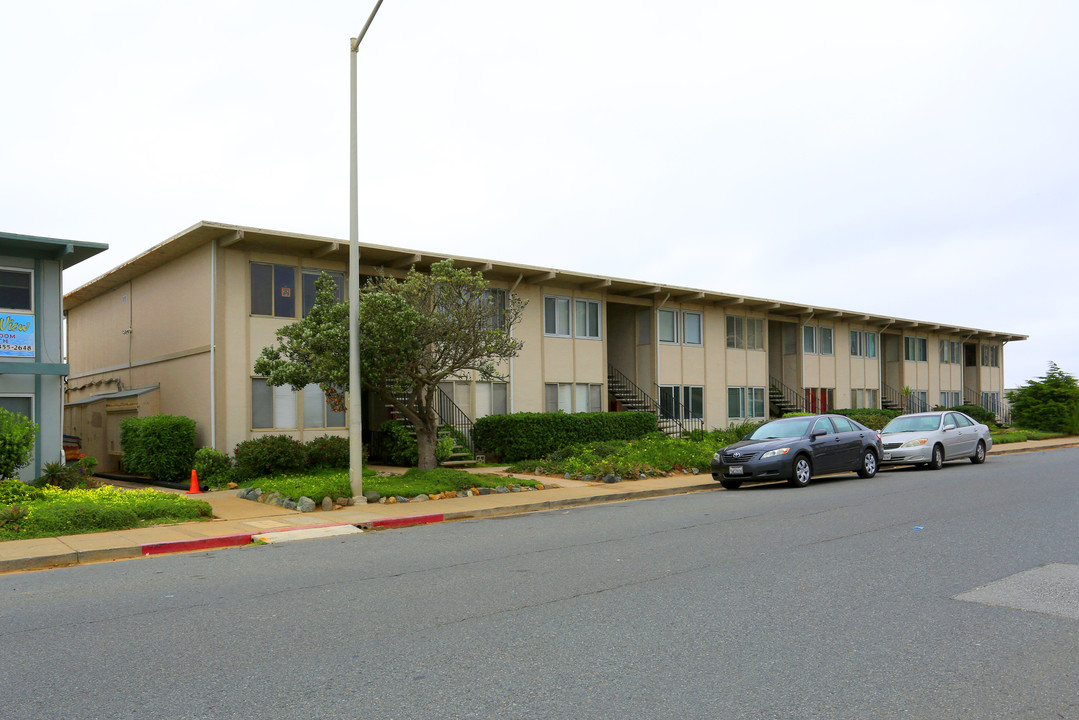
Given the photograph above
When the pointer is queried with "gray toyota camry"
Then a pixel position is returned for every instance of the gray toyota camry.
(797, 448)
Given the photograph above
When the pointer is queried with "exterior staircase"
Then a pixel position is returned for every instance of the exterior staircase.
(630, 397)
(452, 422)
(783, 399)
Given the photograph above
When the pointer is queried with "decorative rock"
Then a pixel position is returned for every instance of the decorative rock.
(486, 491)
(462, 493)
(539, 486)
(244, 493)
(588, 478)
(289, 504)
(232, 486)
(269, 498)
(515, 488)
(350, 501)
(341, 501)
(502, 489)
(401, 498)
(642, 476)
(391, 500)
(420, 498)
(372, 496)
(567, 476)
(609, 478)
(382, 500)
(695, 471)
(327, 504)
(305, 505)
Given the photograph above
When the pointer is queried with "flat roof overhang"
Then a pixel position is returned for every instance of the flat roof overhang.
(400, 259)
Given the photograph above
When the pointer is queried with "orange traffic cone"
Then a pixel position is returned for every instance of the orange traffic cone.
(194, 482)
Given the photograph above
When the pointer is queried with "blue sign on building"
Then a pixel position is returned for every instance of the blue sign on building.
(16, 335)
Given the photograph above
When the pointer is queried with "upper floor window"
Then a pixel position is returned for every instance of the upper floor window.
(809, 339)
(273, 290)
(667, 322)
(498, 299)
(16, 290)
(915, 349)
(587, 318)
(736, 337)
(990, 355)
(754, 333)
(692, 328)
(863, 344)
(827, 345)
(556, 315)
(307, 283)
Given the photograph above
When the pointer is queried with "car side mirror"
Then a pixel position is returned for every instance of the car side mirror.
(745, 437)
(949, 427)
(816, 434)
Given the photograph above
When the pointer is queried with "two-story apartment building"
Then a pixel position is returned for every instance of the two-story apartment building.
(178, 328)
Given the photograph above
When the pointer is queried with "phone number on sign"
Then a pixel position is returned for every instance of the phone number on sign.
(16, 348)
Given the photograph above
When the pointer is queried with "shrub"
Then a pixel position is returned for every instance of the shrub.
(65, 477)
(398, 445)
(16, 491)
(161, 447)
(211, 464)
(980, 414)
(872, 418)
(522, 436)
(65, 517)
(328, 451)
(269, 454)
(17, 437)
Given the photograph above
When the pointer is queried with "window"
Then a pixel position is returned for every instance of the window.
(693, 402)
(587, 319)
(915, 349)
(556, 316)
(560, 397)
(918, 401)
(692, 328)
(272, 407)
(870, 344)
(492, 398)
(861, 398)
(16, 290)
(18, 404)
(991, 401)
(682, 402)
(317, 412)
(307, 287)
(843, 425)
(826, 345)
(857, 346)
(497, 299)
(755, 397)
(736, 402)
(735, 332)
(990, 356)
(823, 425)
(809, 340)
(668, 325)
(754, 333)
(273, 290)
(949, 399)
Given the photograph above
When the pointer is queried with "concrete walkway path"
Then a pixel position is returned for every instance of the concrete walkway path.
(239, 522)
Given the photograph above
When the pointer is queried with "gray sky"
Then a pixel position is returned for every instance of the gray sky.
(916, 159)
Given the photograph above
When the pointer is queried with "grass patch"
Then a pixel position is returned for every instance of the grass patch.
(52, 511)
(1013, 436)
(317, 484)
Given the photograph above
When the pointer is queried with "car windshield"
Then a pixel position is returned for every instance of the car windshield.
(912, 423)
(790, 428)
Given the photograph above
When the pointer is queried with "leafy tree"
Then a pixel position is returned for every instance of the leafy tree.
(1050, 403)
(414, 333)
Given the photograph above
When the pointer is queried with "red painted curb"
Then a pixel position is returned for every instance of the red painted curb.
(403, 521)
(209, 543)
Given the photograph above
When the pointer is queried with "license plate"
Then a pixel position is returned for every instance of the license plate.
(887, 456)
(735, 470)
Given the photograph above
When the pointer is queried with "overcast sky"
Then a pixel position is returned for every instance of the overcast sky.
(914, 159)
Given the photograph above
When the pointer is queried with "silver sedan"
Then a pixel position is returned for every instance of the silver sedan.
(930, 439)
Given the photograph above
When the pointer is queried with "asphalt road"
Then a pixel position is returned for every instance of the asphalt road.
(834, 601)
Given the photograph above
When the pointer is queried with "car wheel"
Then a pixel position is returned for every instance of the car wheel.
(731, 484)
(868, 467)
(979, 454)
(801, 472)
(938, 458)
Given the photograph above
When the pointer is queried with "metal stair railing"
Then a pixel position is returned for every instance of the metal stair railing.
(677, 413)
(628, 393)
(892, 397)
(906, 403)
(793, 399)
(449, 413)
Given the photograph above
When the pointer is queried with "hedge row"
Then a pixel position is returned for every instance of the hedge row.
(524, 436)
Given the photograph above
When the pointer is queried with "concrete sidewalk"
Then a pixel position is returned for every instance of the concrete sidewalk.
(239, 522)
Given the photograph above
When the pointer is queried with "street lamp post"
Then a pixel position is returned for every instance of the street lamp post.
(355, 423)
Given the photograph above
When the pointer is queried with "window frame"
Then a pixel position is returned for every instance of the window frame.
(305, 272)
(700, 328)
(736, 332)
(831, 340)
(30, 310)
(29, 397)
(809, 332)
(274, 295)
(738, 394)
(587, 303)
(674, 327)
(556, 300)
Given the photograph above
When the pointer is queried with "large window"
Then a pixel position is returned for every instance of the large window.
(991, 355)
(692, 328)
(16, 290)
(863, 398)
(498, 299)
(827, 345)
(317, 412)
(949, 398)
(307, 287)
(754, 333)
(18, 404)
(682, 402)
(915, 349)
(950, 352)
(279, 408)
(587, 319)
(863, 344)
(273, 290)
(573, 397)
(745, 403)
(491, 399)
(667, 320)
